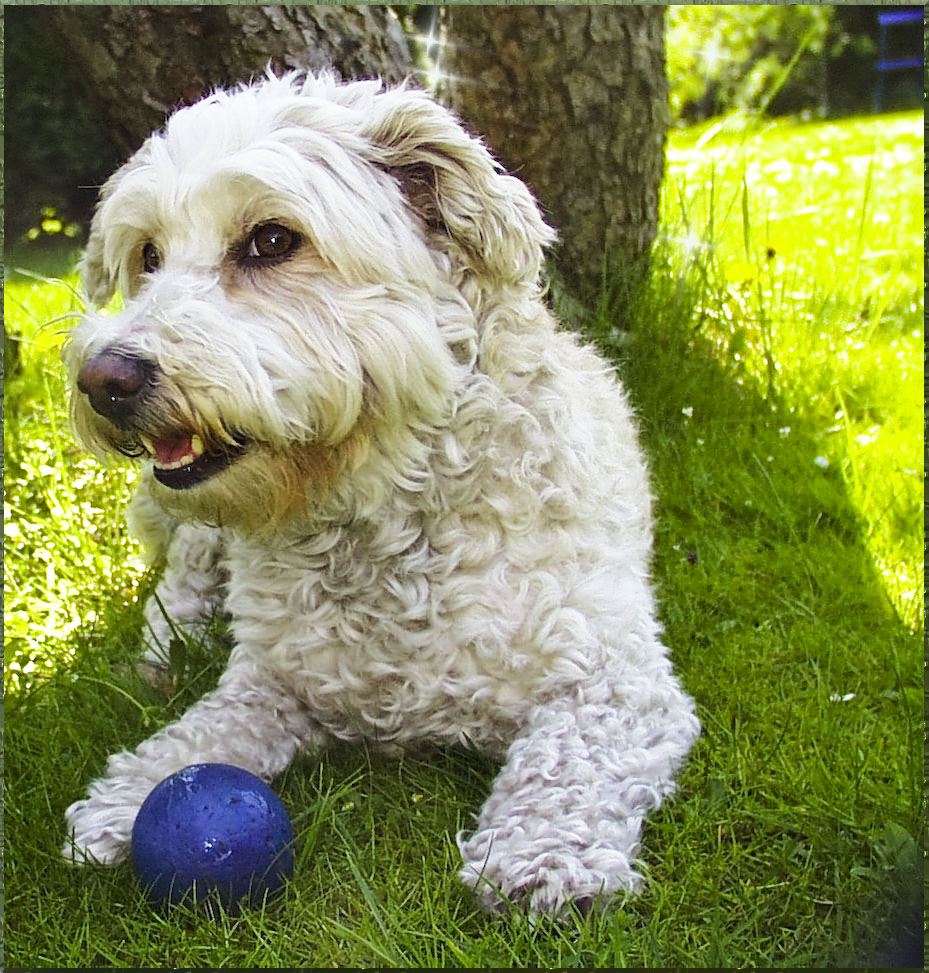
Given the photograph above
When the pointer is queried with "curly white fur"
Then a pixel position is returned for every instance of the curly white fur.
(435, 524)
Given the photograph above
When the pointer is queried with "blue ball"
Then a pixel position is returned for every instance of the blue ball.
(212, 829)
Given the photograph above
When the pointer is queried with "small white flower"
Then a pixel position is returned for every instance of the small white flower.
(822, 462)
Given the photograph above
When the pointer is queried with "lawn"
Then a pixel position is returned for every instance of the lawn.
(775, 359)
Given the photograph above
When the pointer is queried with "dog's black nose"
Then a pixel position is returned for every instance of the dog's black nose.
(115, 384)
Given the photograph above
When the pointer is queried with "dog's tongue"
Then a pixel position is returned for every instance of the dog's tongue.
(168, 451)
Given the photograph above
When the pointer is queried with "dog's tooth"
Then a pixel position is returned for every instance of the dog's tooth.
(196, 445)
(148, 443)
(177, 464)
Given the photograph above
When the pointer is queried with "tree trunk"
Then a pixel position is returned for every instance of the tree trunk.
(574, 100)
(139, 62)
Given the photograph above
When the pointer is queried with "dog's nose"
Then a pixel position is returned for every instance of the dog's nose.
(114, 383)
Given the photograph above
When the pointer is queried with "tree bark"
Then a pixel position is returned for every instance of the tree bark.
(139, 62)
(575, 100)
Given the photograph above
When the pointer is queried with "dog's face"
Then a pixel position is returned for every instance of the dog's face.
(301, 263)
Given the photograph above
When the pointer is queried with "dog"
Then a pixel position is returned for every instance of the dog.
(421, 505)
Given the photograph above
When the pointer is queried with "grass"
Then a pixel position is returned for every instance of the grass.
(778, 403)
(813, 247)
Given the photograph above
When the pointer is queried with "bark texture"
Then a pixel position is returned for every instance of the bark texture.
(575, 100)
(139, 62)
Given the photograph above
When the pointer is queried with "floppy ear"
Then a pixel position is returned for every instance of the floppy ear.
(459, 191)
(98, 283)
(100, 271)
(98, 278)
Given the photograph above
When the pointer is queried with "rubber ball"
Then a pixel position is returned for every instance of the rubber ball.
(212, 831)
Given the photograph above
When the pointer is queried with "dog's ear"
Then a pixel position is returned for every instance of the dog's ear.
(98, 277)
(99, 284)
(99, 269)
(456, 187)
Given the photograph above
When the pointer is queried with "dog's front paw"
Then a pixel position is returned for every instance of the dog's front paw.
(100, 826)
(542, 874)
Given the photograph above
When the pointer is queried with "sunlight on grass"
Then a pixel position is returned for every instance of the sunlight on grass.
(64, 540)
(810, 237)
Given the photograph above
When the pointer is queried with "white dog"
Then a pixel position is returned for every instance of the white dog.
(422, 506)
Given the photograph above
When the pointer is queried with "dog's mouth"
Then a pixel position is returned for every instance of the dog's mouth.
(181, 461)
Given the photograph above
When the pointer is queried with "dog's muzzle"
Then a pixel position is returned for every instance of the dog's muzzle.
(118, 386)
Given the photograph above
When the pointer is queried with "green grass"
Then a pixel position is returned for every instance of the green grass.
(813, 236)
(65, 544)
(779, 407)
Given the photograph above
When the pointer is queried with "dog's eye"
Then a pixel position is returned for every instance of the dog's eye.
(271, 241)
(151, 258)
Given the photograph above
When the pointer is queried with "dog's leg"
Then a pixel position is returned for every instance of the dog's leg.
(189, 593)
(192, 587)
(246, 721)
(565, 816)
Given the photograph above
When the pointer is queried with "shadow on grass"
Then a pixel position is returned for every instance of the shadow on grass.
(806, 783)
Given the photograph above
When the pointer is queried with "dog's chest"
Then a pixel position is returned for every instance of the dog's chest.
(378, 647)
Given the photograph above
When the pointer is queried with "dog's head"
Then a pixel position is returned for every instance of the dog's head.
(304, 265)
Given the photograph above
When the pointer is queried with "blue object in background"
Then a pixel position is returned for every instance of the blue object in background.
(895, 18)
(212, 827)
